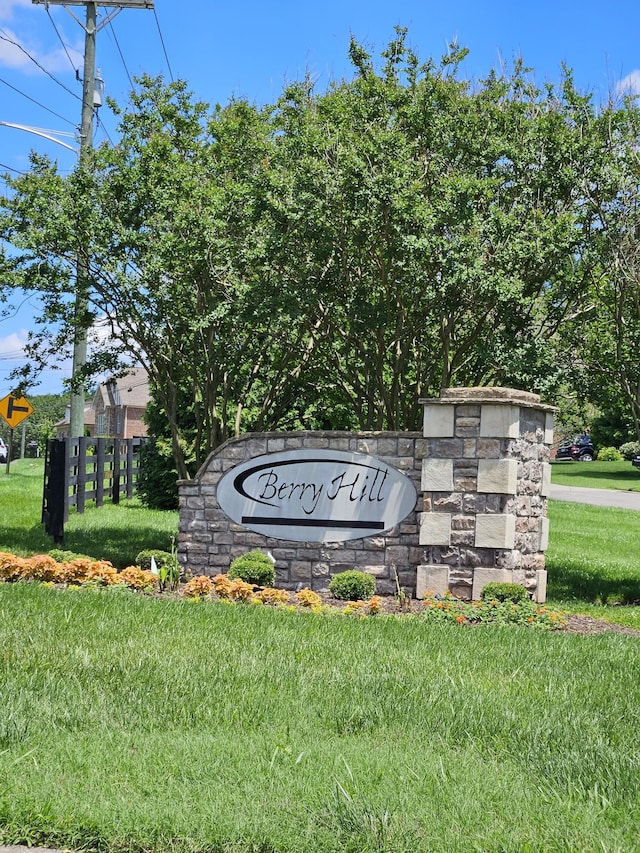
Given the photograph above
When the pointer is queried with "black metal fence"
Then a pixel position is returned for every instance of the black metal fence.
(84, 469)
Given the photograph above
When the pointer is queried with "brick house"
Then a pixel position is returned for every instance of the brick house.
(62, 427)
(120, 403)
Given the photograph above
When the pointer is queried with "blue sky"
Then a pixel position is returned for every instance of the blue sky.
(253, 49)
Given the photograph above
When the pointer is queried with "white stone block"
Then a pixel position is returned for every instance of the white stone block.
(437, 475)
(433, 579)
(545, 486)
(495, 531)
(548, 428)
(544, 534)
(438, 421)
(481, 577)
(435, 528)
(499, 421)
(540, 592)
(498, 476)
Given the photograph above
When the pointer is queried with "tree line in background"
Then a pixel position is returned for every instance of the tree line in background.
(326, 261)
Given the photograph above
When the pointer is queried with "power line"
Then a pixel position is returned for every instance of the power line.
(103, 126)
(5, 37)
(33, 100)
(11, 169)
(64, 47)
(115, 38)
(155, 15)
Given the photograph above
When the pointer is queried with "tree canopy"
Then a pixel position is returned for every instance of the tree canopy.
(327, 260)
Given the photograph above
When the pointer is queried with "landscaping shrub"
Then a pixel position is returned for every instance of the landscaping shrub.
(166, 564)
(62, 556)
(497, 591)
(630, 449)
(609, 454)
(352, 586)
(137, 578)
(253, 567)
(198, 587)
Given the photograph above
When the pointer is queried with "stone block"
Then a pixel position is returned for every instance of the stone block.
(435, 528)
(495, 531)
(482, 576)
(438, 421)
(548, 428)
(540, 592)
(498, 476)
(545, 487)
(437, 475)
(434, 579)
(544, 534)
(500, 421)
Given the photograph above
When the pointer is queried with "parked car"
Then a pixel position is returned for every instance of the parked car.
(636, 461)
(580, 448)
(3, 451)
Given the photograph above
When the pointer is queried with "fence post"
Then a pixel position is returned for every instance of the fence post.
(54, 498)
(100, 472)
(115, 495)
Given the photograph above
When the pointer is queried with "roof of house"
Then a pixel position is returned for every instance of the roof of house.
(129, 390)
(89, 416)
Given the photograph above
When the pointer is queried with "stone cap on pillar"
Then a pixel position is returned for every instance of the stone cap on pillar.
(493, 395)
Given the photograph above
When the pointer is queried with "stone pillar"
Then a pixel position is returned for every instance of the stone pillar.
(485, 483)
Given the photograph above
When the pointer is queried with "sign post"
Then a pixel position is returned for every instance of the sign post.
(13, 411)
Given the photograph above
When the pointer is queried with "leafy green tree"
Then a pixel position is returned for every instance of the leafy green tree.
(326, 261)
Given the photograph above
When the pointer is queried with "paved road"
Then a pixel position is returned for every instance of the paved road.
(597, 497)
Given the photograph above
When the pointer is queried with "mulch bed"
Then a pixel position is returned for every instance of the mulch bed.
(579, 624)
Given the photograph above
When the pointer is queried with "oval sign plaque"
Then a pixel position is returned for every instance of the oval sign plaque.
(316, 495)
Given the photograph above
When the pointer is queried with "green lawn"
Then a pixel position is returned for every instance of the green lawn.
(140, 724)
(113, 532)
(597, 475)
(133, 723)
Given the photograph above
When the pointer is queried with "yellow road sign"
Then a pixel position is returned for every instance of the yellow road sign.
(15, 409)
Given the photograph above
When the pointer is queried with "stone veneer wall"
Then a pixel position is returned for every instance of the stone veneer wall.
(482, 472)
(485, 482)
(208, 540)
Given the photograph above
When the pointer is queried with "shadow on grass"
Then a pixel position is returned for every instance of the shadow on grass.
(569, 581)
(95, 535)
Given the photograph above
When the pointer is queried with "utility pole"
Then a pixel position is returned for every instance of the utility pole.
(91, 28)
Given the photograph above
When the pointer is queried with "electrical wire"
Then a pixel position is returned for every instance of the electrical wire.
(155, 15)
(5, 37)
(12, 169)
(115, 38)
(33, 101)
(102, 125)
(64, 47)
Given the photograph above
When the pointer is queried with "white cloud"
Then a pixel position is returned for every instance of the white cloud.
(12, 346)
(630, 85)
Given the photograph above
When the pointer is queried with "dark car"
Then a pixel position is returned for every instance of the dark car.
(579, 448)
(636, 461)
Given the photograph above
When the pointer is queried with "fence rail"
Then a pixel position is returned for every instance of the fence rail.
(84, 469)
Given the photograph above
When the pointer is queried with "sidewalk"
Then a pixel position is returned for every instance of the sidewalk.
(596, 497)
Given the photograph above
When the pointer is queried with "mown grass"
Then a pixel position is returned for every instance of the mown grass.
(113, 532)
(133, 723)
(597, 475)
